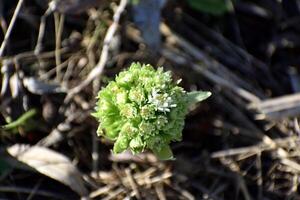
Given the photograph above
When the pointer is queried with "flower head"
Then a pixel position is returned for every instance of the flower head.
(144, 109)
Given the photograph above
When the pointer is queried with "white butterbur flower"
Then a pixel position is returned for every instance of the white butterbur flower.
(143, 109)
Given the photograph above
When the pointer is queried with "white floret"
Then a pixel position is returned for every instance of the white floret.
(162, 102)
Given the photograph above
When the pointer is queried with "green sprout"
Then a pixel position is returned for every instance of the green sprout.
(144, 109)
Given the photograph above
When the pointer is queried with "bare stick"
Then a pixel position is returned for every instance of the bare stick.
(97, 71)
(243, 187)
(258, 148)
(10, 27)
(278, 103)
(259, 177)
(8, 189)
(59, 22)
(132, 183)
(277, 108)
(42, 28)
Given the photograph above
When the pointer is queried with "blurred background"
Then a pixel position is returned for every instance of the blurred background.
(241, 143)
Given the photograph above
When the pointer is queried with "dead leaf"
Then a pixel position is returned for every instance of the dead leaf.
(38, 87)
(73, 6)
(51, 164)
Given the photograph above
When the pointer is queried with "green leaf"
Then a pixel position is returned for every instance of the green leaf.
(22, 120)
(215, 7)
(164, 153)
(121, 144)
(136, 145)
(134, 2)
(197, 96)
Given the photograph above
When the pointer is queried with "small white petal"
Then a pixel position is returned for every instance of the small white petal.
(179, 81)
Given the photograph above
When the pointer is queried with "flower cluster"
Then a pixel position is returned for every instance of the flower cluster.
(144, 109)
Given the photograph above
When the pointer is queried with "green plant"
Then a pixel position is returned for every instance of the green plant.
(23, 121)
(144, 109)
(214, 7)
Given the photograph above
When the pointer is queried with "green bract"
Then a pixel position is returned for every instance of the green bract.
(144, 109)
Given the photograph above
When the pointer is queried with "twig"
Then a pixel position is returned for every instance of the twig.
(259, 177)
(56, 134)
(114, 194)
(278, 103)
(263, 146)
(132, 183)
(241, 183)
(41, 34)
(59, 22)
(10, 27)
(159, 188)
(182, 192)
(31, 56)
(278, 108)
(35, 189)
(220, 189)
(279, 115)
(46, 75)
(103, 190)
(69, 71)
(206, 193)
(293, 165)
(8, 189)
(97, 71)
(296, 126)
